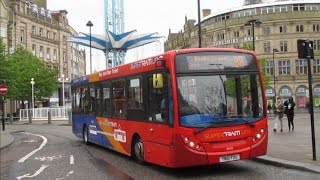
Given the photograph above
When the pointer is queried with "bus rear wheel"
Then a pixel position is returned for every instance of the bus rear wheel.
(138, 151)
(85, 135)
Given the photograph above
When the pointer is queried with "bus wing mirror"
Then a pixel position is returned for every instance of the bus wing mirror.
(157, 81)
(160, 63)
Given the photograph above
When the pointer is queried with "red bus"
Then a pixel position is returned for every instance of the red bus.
(183, 108)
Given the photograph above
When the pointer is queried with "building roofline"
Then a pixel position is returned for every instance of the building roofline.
(265, 4)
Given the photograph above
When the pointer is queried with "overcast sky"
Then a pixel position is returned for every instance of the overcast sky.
(146, 16)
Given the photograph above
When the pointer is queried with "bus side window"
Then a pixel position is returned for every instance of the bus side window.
(119, 99)
(106, 100)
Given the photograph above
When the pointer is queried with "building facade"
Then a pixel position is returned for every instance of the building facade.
(4, 19)
(275, 39)
(44, 33)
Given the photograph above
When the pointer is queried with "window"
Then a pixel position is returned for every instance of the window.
(236, 34)
(34, 30)
(48, 34)
(98, 100)
(22, 36)
(316, 44)
(266, 47)
(54, 36)
(135, 100)
(299, 28)
(159, 101)
(119, 99)
(283, 29)
(266, 31)
(284, 67)
(269, 68)
(106, 100)
(248, 32)
(48, 53)
(283, 46)
(301, 66)
(54, 54)
(316, 66)
(41, 52)
(316, 28)
(41, 32)
(298, 7)
(34, 49)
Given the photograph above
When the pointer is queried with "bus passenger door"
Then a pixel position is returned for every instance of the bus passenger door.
(159, 132)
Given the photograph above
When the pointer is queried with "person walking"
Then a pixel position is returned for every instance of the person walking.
(278, 112)
(289, 109)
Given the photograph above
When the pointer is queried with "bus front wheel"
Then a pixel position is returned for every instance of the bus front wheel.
(138, 151)
(85, 135)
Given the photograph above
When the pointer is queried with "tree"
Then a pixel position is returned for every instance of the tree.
(262, 62)
(21, 66)
(3, 59)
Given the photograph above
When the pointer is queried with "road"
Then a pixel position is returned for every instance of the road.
(53, 152)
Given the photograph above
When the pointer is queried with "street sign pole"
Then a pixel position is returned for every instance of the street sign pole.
(307, 43)
(2, 113)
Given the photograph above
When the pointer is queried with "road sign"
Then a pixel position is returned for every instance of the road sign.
(3, 89)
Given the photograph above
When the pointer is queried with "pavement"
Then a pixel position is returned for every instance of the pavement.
(289, 149)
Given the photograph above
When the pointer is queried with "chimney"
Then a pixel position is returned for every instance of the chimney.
(206, 12)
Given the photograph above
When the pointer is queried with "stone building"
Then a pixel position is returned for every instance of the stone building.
(282, 24)
(4, 19)
(45, 33)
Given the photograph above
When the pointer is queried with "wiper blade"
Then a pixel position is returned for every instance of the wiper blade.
(214, 122)
(206, 127)
(241, 118)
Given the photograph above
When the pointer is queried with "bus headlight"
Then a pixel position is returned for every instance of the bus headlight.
(192, 143)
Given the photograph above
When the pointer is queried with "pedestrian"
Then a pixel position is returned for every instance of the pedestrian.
(278, 112)
(289, 109)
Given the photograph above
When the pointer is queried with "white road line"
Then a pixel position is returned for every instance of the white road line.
(36, 150)
(35, 174)
(71, 159)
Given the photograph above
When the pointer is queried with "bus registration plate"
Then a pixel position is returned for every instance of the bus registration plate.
(230, 158)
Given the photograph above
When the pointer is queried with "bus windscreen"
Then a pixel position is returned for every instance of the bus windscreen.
(215, 61)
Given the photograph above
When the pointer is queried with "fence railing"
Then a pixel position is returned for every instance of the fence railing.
(59, 113)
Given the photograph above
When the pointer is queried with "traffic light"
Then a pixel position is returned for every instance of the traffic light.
(302, 46)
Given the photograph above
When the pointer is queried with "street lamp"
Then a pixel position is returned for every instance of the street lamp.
(89, 24)
(252, 23)
(274, 73)
(199, 24)
(32, 95)
(63, 79)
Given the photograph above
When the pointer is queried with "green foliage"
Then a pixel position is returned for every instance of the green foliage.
(262, 62)
(21, 66)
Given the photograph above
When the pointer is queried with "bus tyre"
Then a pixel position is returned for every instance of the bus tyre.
(138, 151)
(85, 135)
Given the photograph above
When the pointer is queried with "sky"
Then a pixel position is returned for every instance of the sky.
(145, 16)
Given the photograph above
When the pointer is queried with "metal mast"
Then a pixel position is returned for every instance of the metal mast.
(114, 22)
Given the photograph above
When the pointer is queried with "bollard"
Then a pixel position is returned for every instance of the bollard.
(11, 118)
(30, 116)
(69, 116)
(3, 123)
(49, 117)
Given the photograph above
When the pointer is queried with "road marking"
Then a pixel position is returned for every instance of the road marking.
(35, 174)
(69, 173)
(71, 159)
(30, 141)
(36, 150)
(47, 158)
